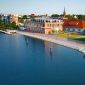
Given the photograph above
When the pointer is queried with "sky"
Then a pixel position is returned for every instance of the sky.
(42, 6)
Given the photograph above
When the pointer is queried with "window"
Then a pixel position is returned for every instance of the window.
(43, 25)
(47, 25)
(50, 25)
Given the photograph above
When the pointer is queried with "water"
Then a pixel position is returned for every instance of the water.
(28, 61)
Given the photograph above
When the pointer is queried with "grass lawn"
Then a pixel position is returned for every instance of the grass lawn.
(69, 35)
(80, 39)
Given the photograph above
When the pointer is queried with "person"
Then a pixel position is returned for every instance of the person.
(50, 51)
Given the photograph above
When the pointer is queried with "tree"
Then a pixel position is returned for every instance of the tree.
(55, 15)
(1, 24)
(21, 20)
(81, 17)
(70, 17)
(4, 26)
(32, 16)
(24, 17)
(13, 25)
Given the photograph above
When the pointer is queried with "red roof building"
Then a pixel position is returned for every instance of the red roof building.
(74, 25)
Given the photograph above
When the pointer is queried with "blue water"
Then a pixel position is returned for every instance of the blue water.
(28, 61)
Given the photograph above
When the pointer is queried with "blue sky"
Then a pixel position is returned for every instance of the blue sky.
(42, 6)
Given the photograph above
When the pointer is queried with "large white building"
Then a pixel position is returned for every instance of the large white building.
(44, 25)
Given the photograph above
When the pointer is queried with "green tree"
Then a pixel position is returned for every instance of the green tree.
(1, 24)
(13, 25)
(70, 17)
(21, 20)
(81, 17)
(24, 17)
(55, 15)
(4, 26)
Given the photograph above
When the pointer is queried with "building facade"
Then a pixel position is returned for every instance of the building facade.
(43, 25)
(9, 18)
(74, 26)
(14, 18)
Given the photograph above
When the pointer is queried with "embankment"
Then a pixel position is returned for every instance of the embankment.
(57, 40)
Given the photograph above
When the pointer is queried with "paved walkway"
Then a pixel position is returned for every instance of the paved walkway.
(58, 40)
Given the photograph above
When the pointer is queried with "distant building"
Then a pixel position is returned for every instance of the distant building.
(0, 16)
(14, 18)
(5, 18)
(63, 16)
(74, 26)
(9, 18)
(44, 25)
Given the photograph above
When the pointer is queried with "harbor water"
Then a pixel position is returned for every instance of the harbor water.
(29, 61)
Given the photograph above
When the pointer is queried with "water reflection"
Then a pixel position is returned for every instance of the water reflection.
(26, 40)
(49, 49)
(84, 56)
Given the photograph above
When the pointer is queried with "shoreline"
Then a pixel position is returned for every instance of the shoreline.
(9, 32)
(57, 40)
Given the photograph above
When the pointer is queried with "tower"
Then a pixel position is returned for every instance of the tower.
(64, 12)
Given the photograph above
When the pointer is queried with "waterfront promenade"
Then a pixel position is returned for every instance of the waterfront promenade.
(58, 40)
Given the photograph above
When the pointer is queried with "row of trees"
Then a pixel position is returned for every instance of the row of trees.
(22, 18)
(80, 17)
(4, 26)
